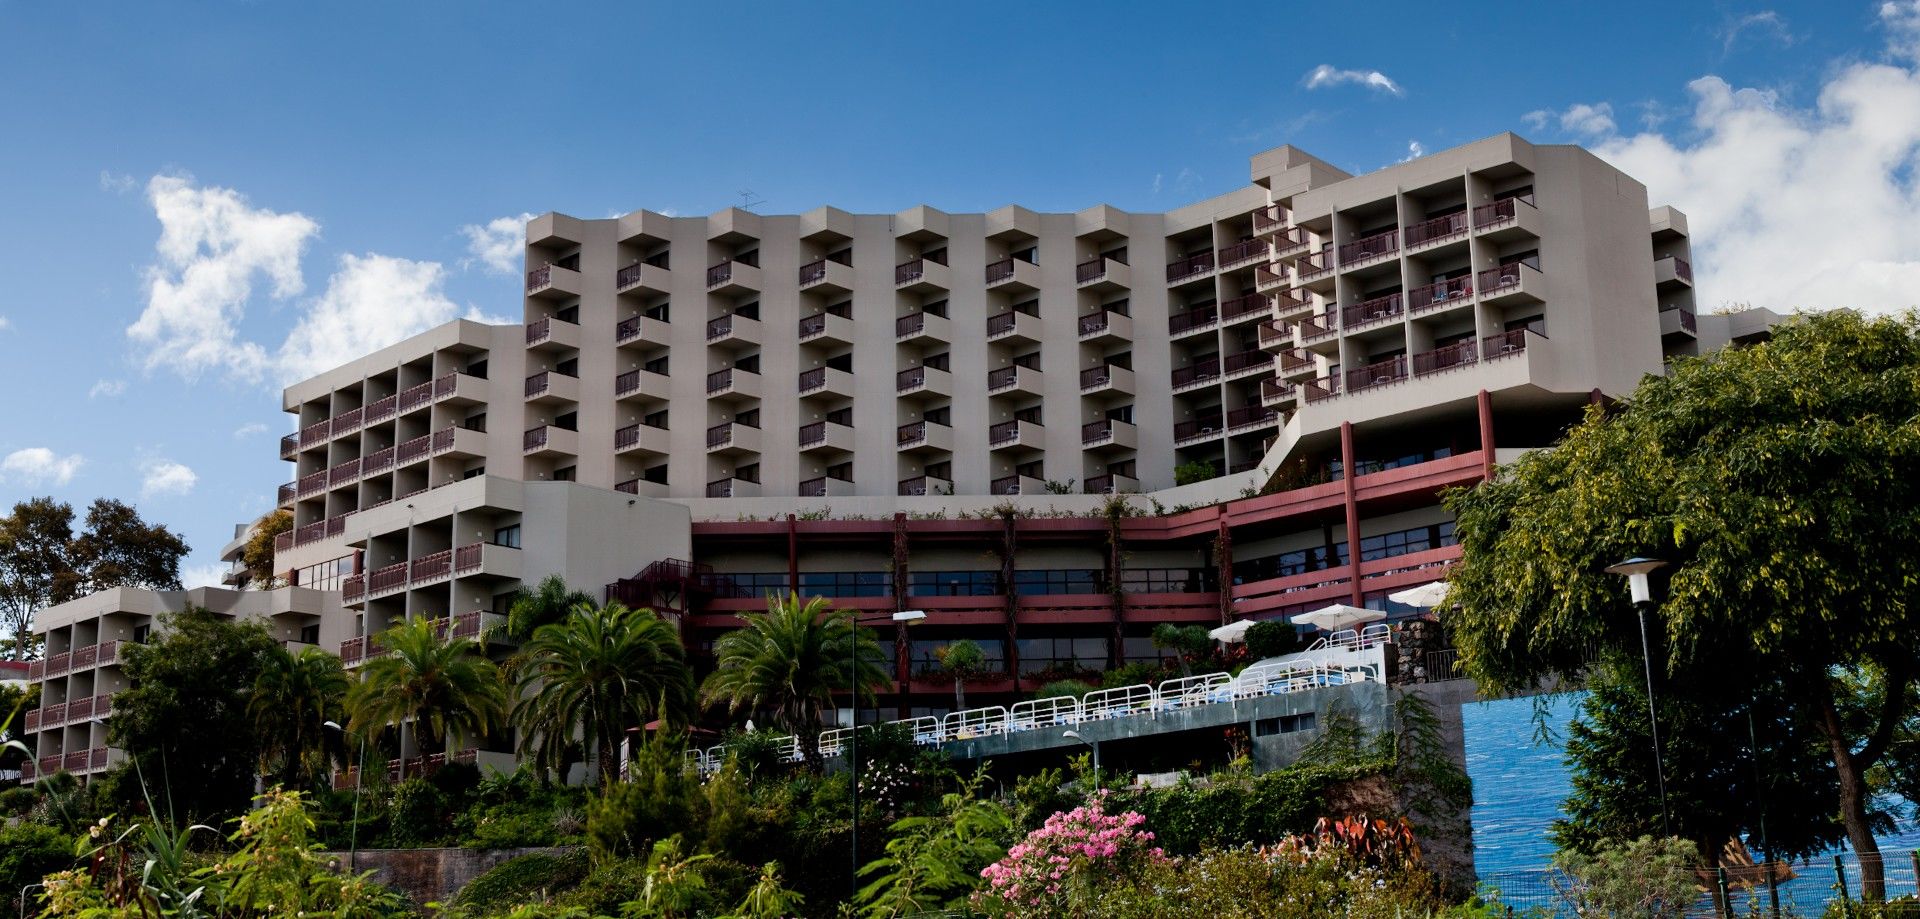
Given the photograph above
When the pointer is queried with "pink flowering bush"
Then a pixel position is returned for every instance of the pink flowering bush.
(1059, 868)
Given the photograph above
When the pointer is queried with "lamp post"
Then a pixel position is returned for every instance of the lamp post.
(901, 619)
(1095, 745)
(1636, 571)
(359, 779)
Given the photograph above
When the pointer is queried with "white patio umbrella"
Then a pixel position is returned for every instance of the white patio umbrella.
(1232, 632)
(1339, 616)
(1425, 596)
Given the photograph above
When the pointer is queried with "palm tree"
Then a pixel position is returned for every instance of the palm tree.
(789, 661)
(551, 601)
(446, 687)
(293, 699)
(601, 670)
(960, 660)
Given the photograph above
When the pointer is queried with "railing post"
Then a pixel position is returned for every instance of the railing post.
(1840, 883)
(1720, 885)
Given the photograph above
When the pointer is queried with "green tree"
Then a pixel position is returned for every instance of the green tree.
(960, 660)
(35, 570)
(1644, 878)
(934, 862)
(1777, 479)
(118, 549)
(1184, 641)
(551, 601)
(184, 722)
(445, 687)
(293, 699)
(599, 672)
(257, 555)
(789, 661)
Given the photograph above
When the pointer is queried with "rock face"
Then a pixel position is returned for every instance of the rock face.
(430, 875)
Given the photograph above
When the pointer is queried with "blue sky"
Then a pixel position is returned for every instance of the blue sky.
(198, 200)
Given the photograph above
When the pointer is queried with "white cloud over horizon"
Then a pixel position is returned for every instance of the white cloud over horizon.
(207, 575)
(497, 245)
(165, 477)
(36, 466)
(1327, 75)
(107, 389)
(250, 429)
(371, 301)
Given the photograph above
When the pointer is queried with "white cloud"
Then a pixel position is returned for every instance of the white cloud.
(116, 183)
(1582, 120)
(1327, 75)
(1800, 208)
(371, 302)
(165, 477)
(207, 575)
(1414, 151)
(5, 323)
(34, 466)
(250, 429)
(1766, 23)
(498, 245)
(107, 389)
(213, 245)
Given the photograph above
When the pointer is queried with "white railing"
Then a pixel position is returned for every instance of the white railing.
(1272, 678)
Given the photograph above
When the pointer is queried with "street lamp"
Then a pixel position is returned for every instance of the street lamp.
(1636, 571)
(359, 779)
(1075, 735)
(901, 619)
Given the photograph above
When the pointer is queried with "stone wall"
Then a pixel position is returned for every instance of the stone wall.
(430, 875)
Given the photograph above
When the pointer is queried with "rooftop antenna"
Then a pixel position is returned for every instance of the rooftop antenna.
(749, 200)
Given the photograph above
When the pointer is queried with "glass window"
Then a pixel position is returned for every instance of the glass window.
(508, 536)
(1057, 581)
(954, 583)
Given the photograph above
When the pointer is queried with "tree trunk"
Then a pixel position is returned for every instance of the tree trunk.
(959, 694)
(1853, 802)
(607, 756)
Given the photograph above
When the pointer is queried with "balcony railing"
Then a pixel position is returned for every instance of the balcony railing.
(1250, 416)
(910, 324)
(1096, 376)
(1294, 359)
(721, 488)
(1438, 228)
(811, 380)
(1686, 318)
(1310, 329)
(813, 271)
(913, 432)
(1311, 264)
(1500, 211)
(1266, 218)
(1200, 426)
(313, 483)
(1195, 318)
(1372, 310)
(1440, 293)
(1379, 373)
(289, 445)
(909, 271)
(999, 271)
(1001, 323)
(817, 487)
(1090, 270)
(629, 437)
(1370, 247)
(1094, 432)
(539, 330)
(1503, 344)
(627, 328)
(1321, 388)
(1458, 354)
(537, 384)
(535, 438)
(1242, 251)
(1181, 269)
(1005, 485)
(720, 274)
(627, 277)
(814, 433)
(719, 326)
(539, 277)
(1004, 432)
(1493, 280)
(812, 325)
(720, 434)
(1275, 389)
(1200, 370)
(917, 485)
(1244, 306)
(1246, 360)
(720, 380)
(1096, 322)
(1002, 377)
(910, 378)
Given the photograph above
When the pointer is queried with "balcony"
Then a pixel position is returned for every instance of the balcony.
(1246, 364)
(1368, 312)
(1679, 321)
(1369, 249)
(1014, 327)
(1507, 218)
(1201, 428)
(1190, 268)
(1199, 373)
(1109, 434)
(1514, 282)
(925, 437)
(826, 383)
(1012, 274)
(1010, 435)
(1380, 373)
(1276, 393)
(1287, 304)
(642, 440)
(289, 446)
(827, 487)
(641, 331)
(1269, 277)
(1321, 388)
(1436, 230)
(1440, 295)
(826, 277)
(642, 386)
(1290, 241)
(1672, 272)
(1309, 268)
(1319, 328)
(1268, 220)
(925, 485)
(1275, 335)
(826, 437)
(733, 488)
(1106, 379)
(1244, 309)
(1015, 381)
(548, 440)
(550, 388)
(1294, 363)
(1447, 357)
(1251, 418)
(1106, 326)
(825, 329)
(552, 282)
(733, 277)
(1194, 321)
(922, 327)
(1103, 274)
(733, 385)
(923, 381)
(1111, 484)
(641, 278)
(922, 275)
(734, 332)
(548, 334)
(1505, 344)
(643, 487)
(733, 438)
(1240, 253)
(1017, 485)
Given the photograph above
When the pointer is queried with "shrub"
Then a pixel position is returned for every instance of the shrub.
(15, 802)
(1133, 674)
(1647, 877)
(530, 878)
(1061, 868)
(611, 883)
(420, 815)
(1073, 688)
(1189, 473)
(1272, 639)
(29, 852)
(1237, 810)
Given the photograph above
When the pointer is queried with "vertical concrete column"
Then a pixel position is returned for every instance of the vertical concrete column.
(1353, 512)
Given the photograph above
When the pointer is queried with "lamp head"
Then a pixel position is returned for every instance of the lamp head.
(1636, 570)
(334, 725)
(1072, 735)
(908, 616)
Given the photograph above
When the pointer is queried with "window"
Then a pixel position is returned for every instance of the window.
(1285, 724)
(841, 416)
(936, 308)
(925, 656)
(141, 633)
(656, 419)
(936, 361)
(570, 315)
(310, 634)
(657, 474)
(941, 415)
(478, 368)
(1030, 307)
(841, 471)
(1057, 581)
(568, 368)
(657, 365)
(473, 473)
(508, 536)
(563, 474)
(1030, 360)
(1169, 580)
(1061, 654)
(662, 311)
(748, 473)
(841, 362)
(1030, 255)
(940, 470)
(1286, 564)
(843, 309)
(568, 422)
(1118, 254)
(1120, 306)
(1401, 542)
(750, 418)
(476, 422)
(846, 584)
(571, 262)
(658, 259)
(954, 583)
(749, 364)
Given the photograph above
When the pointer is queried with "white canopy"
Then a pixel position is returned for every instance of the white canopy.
(1339, 616)
(1425, 596)
(1232, 632)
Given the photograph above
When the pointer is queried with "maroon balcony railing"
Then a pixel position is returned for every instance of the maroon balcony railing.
(1265, 276)
(630, 486)
(380, 410)
(315, 433)
(1321, 388)
(720, 274)
(999, 271)
(1437, 228)
(1096, 431)
(910, 378)
(913, 432)
(1090, 271)
(918, 485)
(627, 382)
(312, 532)
(1242, 251)
(1503, 344)
(467, 558)
(379, 460)
(1200, 371)
(347, 421)
(538, 330)
(813, 271)
(1458, 354)
(910, 324)
(1287, 301)
(1245, 306)
(1687, 320)
(287, 493)
(626, 329)
(1379, 244)
(1315, 263)
(814, 487)
(1096, 322)
(811, 380)
(1379, 373)
(720, 434)
(1198, 427)
(1500, 211)
(430, 567)
(353, 588)
(1290, 237)
(628, 276)
(390, 577)
(1372, 310)
(1096, 376)
(343, 473)
(909, 271)
(289, 445)
(1193, 319)
(282, 542)
(812, 325)
(1005, 485)
(1002, 377)
(1181, 269)
(811, 434)
(313, 483)
(1311, 329)
(415, 397)
(1246, 360)
(534, 438)
(414, 449)
(1266, 218)
(720, 488)
(719, 380)
(1275, 389)
(1440, 293)
(1001, 323)
(1497, 279)
(1250, 416)
(1682, 269)
(1294, 359)
(539, 277)
(719, 326)
(1004, 432)
(627, 437)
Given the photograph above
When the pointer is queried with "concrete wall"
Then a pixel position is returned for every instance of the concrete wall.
(430, 875)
